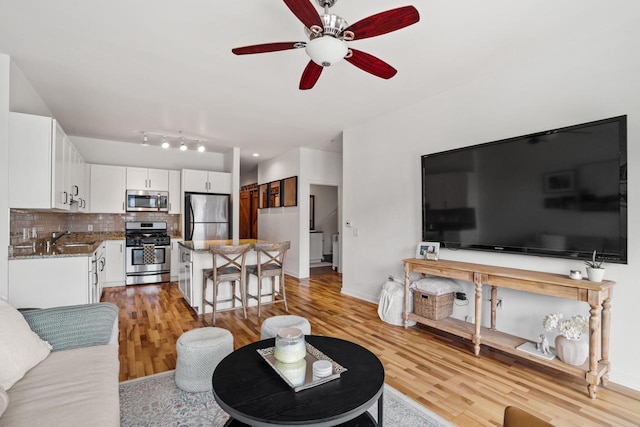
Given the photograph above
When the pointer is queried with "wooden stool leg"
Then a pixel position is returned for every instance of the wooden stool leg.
(284, 294)
(204, 296)
(259, 293)
(243, 298)
(215, 303)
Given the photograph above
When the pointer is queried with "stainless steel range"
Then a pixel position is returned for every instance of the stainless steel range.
(148, 254)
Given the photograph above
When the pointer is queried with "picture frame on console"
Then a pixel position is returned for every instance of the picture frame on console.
(428, 250)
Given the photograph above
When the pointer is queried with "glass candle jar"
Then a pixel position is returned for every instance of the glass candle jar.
(290, 345)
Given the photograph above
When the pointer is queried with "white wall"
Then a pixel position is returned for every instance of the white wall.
(118, 153)
(5, 66)
(282, 224)
(574, 83)
(292, 223)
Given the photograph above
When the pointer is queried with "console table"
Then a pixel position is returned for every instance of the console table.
(597, 295)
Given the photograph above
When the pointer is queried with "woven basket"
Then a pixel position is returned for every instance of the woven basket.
(434, 307)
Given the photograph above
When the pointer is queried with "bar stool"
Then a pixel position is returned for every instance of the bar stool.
(228, 266)
(270, 264)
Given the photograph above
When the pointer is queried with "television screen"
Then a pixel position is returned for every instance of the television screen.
(559, 193)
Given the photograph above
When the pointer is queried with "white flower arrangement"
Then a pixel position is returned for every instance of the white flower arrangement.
(571, 328)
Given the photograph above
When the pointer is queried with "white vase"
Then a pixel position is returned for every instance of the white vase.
(572, 352)
(595, 274)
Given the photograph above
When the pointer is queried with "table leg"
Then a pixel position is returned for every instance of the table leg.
(594, 342)
(606, 325)
(494, 306)
(407, 295)
(477, 279)
(380, 411)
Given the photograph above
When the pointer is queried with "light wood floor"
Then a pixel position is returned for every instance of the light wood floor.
(438, 371)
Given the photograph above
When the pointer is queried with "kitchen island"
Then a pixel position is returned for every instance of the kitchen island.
(195, 256)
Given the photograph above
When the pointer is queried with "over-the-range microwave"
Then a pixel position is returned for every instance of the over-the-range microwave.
(147, 201)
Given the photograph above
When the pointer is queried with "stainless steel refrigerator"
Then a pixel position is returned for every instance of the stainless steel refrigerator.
(207, 217)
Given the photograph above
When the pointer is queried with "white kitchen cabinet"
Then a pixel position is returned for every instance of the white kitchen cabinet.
(39, 166)
(50, 282)
(175, 195)
(206, 181)
(108, 189)
(98, 270)
(61, 196)
(175, 259)
(114, 263)
(78, 188)
(147, 179)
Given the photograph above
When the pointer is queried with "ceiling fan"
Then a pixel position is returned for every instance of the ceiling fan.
(328, 35)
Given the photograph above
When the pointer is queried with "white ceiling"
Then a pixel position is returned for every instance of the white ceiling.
(106, 68)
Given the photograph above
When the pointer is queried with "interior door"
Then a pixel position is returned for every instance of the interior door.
(245, 215)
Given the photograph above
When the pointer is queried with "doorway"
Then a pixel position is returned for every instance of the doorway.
(323, 229)
(248, 228)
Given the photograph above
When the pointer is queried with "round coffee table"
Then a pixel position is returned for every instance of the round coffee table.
(251, 392)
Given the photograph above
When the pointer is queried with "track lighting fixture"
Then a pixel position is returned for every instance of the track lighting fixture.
(164, 140)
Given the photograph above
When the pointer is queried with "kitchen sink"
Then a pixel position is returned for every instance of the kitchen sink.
(76, 244)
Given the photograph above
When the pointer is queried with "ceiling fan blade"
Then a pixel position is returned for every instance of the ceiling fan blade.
(384, 22)
(310, 75)
(371, 64)
(305, 12)
(267, 47)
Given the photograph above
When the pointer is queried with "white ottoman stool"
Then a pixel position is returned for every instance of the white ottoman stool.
(272, 325)
(199, 352)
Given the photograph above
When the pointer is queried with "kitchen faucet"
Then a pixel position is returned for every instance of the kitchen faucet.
(55, 237)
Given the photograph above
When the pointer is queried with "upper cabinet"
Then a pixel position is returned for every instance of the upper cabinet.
(108, 189)
(174, 192)
(206, 181)
(147, 179)
(78, 188)
(41, 171)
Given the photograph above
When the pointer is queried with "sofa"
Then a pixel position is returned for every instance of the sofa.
(59, 366)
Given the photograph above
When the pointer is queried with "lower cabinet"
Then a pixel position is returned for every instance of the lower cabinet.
(50, 282)
(114, 268)
(175, 259)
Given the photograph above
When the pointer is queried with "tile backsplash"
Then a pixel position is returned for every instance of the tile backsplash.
(23, 221)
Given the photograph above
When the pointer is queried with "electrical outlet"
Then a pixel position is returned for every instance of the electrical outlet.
(499, 304)
(90, 227)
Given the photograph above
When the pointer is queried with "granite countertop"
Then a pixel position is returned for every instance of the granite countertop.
(203, 245)
(64, 247)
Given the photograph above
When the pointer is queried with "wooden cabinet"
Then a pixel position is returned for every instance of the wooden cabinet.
(597, 295)
(108, 189)
(50, 282)
(175, 194)
(114, 268)
(147, 179)
(206, 181)
(39, 163)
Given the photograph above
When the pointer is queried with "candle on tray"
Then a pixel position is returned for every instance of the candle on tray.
(290, 345)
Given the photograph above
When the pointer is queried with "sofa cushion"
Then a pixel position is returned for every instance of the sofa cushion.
(20, 348)
(76, 387)
(4, 400)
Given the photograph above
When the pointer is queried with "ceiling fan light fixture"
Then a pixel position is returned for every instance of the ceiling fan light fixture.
(326, 51)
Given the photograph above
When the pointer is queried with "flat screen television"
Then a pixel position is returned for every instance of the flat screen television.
(558, 193)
